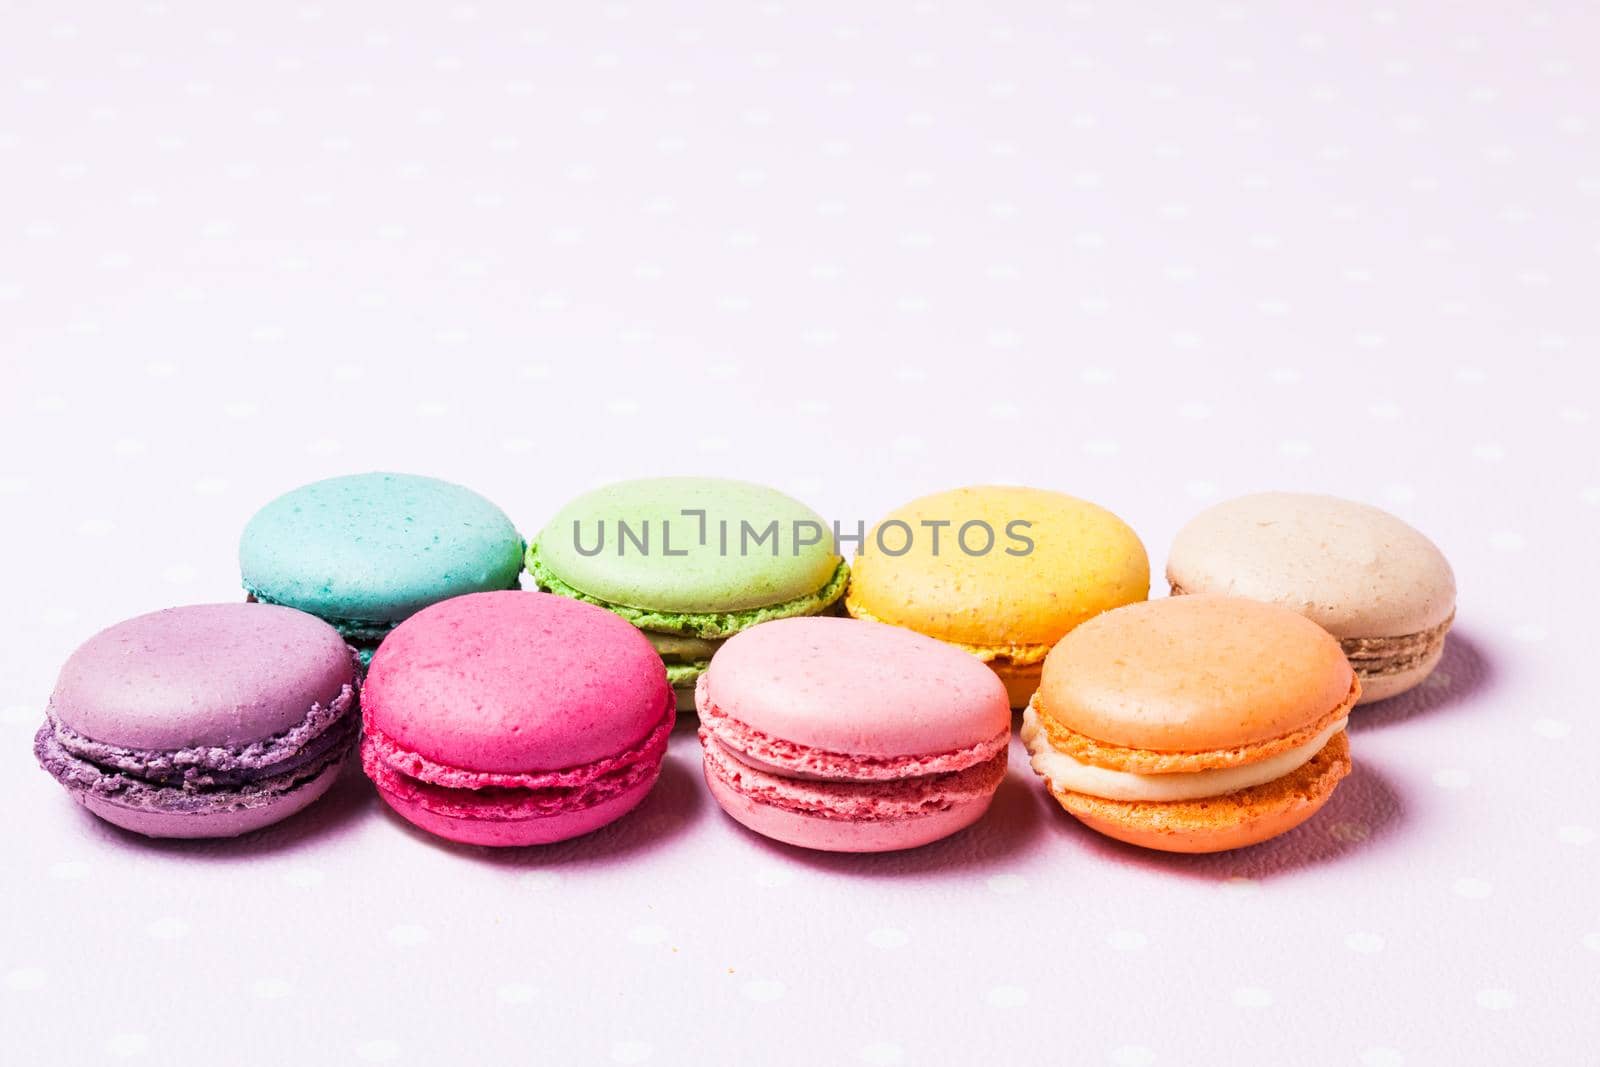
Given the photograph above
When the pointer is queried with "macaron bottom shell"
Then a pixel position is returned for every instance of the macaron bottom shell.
(1217, 824)
(506, 831)
(1021, 680)
(229, 819)
(825, 834)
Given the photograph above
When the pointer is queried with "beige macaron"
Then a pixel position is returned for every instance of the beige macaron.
(1375, 583)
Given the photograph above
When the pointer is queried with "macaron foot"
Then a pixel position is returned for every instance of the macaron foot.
(228, 819)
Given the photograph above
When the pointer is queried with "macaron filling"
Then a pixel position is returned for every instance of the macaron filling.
(202, 778)
(464, 793)
(1378, 657)
(839, 785)
(711, 624)
(1066, 774)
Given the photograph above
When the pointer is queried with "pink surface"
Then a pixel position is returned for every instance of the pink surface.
(1152, 258)
(855, 689)
(513, 682)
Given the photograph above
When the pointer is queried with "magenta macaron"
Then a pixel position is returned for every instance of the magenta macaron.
(851, 736)
(204, 721)
(515, 718)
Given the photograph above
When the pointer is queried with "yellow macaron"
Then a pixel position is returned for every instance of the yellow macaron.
(1002, 571)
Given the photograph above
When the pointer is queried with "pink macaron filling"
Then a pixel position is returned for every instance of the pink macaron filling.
(460, 793)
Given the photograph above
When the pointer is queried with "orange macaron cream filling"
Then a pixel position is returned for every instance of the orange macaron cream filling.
(1193, 724)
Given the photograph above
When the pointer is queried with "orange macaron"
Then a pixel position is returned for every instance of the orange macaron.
(1193, 724)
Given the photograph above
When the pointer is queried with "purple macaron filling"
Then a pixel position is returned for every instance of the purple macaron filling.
(201, 778)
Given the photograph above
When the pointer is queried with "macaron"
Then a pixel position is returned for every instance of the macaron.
(1193, 724)
(690, 562)
(1001, 571)
(515, 718)
(365, 551)
(851, 736)
(202, 721)
(1379, 586)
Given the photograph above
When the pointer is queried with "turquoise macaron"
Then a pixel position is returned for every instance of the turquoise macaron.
(364, 552)
(691, 562)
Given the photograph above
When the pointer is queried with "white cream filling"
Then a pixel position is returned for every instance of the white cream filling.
(1068, 774)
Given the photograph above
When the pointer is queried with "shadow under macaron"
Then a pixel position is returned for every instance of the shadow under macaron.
(1464, 671)
(1363, 809)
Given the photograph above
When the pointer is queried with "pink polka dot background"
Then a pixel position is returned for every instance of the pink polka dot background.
(860, 252)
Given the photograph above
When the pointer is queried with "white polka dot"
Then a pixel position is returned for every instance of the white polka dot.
(773, 877)
(1127, 940)
(1007, 996)
(1295, 449)
(379, 1050)
(70, 870)
(1195, 409)
(1240, 885)
(1489, 452)
(1530, 633)
(1097, 376)
(409, 935)
(1349, 831)
(1576, 835)
(180, 573)
(304, 877)
(19, 715)
(1252, 996)
(1007, 884)
(1552, 729)
(541, 881)
(888, 937)
(1472, 888)
(1452, 778)
(516, 993)
(168, 928)
(764, 990)
(25, 978)
(1200, 489)
(647, 935)
(631, 1052)
(1382, 1056)
(1592, 941)
(1364, 942)
(127, 1045)
(1132, 1056)
(881, 1053)
(271, 988)
(1507, 541)
(1496, 999)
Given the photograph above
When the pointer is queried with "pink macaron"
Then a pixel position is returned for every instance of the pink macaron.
(851, 736)
(515, 718)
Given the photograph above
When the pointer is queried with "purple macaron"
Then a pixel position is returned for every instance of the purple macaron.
(203, 721)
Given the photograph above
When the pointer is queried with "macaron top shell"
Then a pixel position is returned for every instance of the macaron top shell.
(857, 687)
(377, 547)
(1084, 561)
(513, 681)
(219, 675)
(680, 572)
(1355, 569)
(1194, 673)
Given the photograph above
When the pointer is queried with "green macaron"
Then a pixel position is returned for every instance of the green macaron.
(690, 561)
